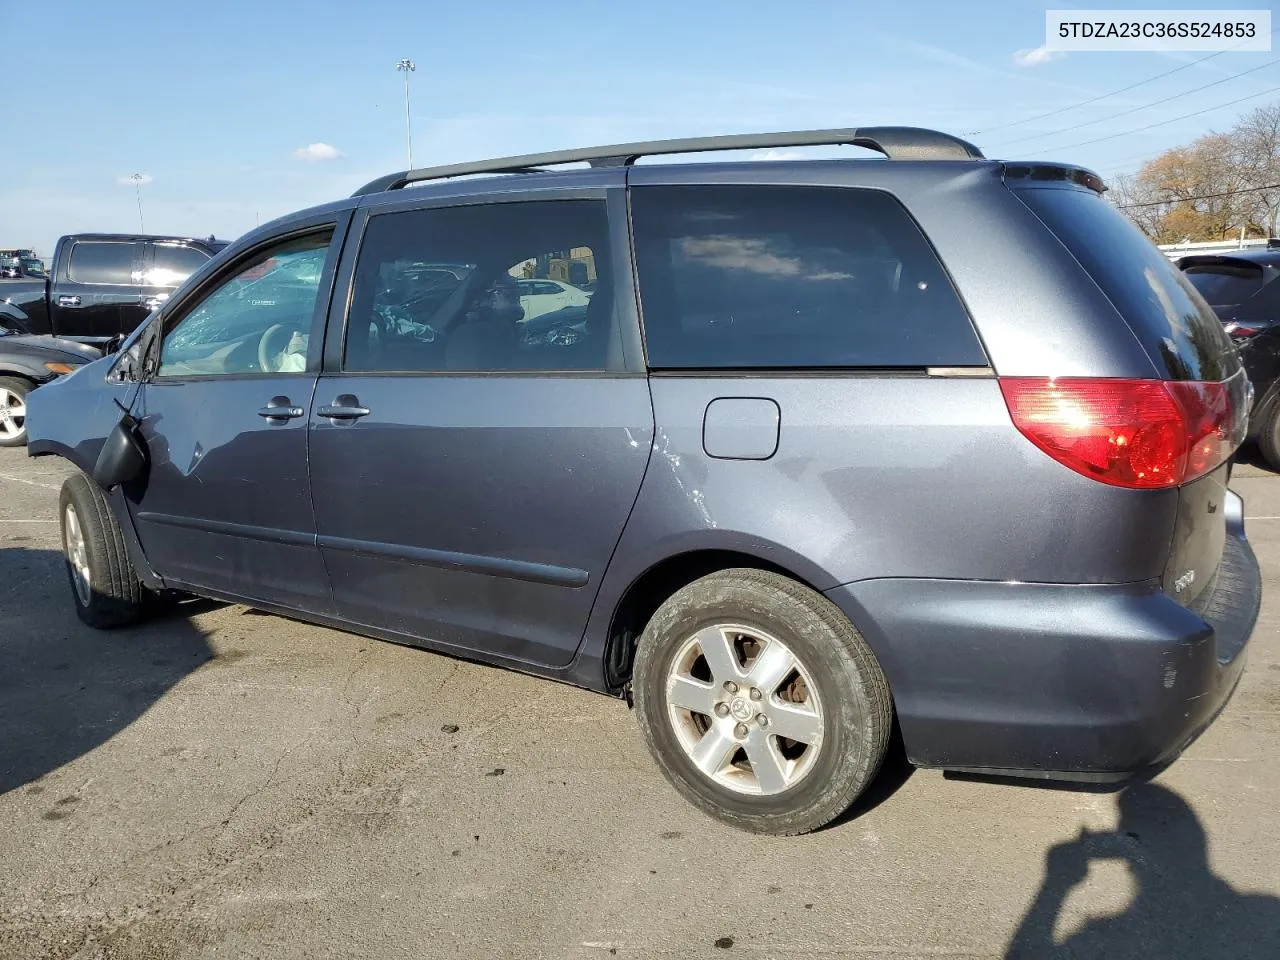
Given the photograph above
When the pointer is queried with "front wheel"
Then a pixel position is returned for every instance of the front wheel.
(760, 702)
(104, 584)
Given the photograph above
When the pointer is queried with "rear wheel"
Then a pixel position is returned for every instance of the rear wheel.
(760, 702)
(13, 411)
(104, 585)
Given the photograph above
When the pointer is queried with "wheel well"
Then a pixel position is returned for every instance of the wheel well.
(650, 591)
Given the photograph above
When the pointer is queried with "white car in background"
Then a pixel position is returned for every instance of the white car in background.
(546, 296)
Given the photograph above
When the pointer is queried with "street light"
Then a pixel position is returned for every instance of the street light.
(407, 66)
(138, 180)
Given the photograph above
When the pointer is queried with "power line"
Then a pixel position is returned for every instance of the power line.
(1161, 123)
(1117, 166)
(1145, 106)
(1203, 196)
(1113, 93)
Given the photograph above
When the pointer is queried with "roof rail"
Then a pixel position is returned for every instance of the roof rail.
(896, 143)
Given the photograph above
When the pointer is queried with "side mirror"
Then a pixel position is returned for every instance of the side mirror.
(123, 456)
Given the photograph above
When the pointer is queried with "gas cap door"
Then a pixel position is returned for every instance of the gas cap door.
(741, 428)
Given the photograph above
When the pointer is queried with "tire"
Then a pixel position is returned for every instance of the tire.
(1269, 438)
(104, 585)
(831, 690)
(13, 397)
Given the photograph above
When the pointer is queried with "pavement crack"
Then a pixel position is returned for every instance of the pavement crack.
(452, 672)
(252, 794)
(345, 695)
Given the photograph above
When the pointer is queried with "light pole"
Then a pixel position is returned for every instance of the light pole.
(407, 66)
(138, 180)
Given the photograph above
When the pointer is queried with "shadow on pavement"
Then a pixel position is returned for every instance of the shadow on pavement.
(1181, 908)
(65, 688)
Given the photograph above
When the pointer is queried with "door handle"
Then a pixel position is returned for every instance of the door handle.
(345, 407)
(66, 301)
(280, 409)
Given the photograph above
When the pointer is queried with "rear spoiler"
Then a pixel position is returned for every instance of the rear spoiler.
(1219, 260)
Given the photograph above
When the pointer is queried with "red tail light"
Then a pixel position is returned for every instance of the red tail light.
(1242, 329)
(1144, 434)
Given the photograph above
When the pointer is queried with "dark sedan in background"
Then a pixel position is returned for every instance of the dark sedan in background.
(1242, 289)
(26, 362)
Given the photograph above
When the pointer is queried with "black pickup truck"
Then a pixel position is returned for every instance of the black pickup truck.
(101, 284)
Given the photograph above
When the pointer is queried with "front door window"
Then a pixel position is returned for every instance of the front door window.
(256, 322)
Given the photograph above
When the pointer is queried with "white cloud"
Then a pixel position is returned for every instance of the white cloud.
(1036, 56)
(129, 181)
(317, 151)
(949, 58)
(778, 155)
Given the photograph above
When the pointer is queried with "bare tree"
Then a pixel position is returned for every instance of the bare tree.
(1212, 188)
(1259, 137)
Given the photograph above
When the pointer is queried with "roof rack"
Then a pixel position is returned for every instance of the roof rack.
(896, 143)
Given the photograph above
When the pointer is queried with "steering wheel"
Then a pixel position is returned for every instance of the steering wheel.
(265, 344)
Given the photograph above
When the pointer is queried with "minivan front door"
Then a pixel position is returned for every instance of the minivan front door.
(471, 480)
(225, 508)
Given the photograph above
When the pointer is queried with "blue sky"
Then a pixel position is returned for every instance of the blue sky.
(214, 101)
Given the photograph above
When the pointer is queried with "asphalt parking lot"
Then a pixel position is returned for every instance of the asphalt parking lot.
(222, 783)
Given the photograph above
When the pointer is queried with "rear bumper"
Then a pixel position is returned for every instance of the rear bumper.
(1058, 681)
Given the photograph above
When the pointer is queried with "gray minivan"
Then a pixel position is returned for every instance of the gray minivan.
(931, 439)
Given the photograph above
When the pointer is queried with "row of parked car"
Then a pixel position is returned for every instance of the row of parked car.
(18, 263)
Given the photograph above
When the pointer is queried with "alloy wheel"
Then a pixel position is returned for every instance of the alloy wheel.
(13, 414)
(77, 553)
(745, 709)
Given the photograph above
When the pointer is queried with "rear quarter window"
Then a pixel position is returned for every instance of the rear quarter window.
(792, 277)
(1178, 329)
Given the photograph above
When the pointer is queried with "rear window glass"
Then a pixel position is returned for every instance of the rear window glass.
(1224, 284)
(1181, 334)
(756, 276)
(103, 262)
